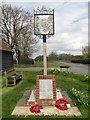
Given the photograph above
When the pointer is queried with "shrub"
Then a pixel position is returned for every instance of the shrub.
(86, 78)
(81, 97)
(84, 61)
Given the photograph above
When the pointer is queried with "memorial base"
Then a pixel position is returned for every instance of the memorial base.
(46, 90)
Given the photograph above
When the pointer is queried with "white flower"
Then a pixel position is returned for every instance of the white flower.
(75, 90)
(72, 88)
(78, 91)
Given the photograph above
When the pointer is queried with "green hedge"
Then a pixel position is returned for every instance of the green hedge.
(27, 61)
(84, 61)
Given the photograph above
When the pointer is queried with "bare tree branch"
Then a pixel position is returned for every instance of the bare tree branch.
(17, 28)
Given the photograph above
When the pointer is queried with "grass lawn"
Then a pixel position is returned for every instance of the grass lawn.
(39, 64)
(64, 81)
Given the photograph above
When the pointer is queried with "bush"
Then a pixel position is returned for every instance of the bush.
(81, 97)
(86, 78)
(27, 61)
(84, 61)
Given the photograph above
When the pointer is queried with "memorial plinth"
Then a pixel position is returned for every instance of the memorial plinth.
(46, 90)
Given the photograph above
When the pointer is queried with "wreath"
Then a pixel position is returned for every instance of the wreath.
(35, 108)
(62, 104)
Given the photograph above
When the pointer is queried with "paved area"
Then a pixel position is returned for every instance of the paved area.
(23, 109)
(28, 93)
(29, 69)
(48, 110)
(77, 68)
(74, 67)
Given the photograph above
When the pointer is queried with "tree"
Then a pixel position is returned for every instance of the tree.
(86, 52)
(17, 29)
(39, 58)
(52, 56)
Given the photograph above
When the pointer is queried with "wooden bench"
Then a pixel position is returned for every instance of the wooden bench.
(11, 77)
(61, 67)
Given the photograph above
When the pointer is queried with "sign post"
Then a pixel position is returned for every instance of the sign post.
(44, 55)
(45, 84)
(44, 25)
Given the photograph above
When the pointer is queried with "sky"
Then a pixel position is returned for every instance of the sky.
(70, 22)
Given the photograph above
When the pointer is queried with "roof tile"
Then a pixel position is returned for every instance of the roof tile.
(4, 46)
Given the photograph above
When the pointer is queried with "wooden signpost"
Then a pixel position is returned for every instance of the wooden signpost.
(45, 85)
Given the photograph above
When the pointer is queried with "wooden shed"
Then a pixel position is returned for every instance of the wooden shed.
(6, 56)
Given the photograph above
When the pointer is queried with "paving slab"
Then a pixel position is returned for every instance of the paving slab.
(48, 110)
(23, 109)
(25, 97)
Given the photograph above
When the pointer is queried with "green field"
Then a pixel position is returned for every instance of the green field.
(39, 64)
(64, 80)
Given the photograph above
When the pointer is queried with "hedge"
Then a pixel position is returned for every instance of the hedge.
(84, 61)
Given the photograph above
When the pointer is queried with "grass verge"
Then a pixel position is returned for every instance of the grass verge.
(39, 64)
(65, 81)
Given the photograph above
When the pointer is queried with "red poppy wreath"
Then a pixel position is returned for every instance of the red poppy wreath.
(62, 104)
(35, 108)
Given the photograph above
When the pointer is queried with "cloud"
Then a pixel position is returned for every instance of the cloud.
(71, 35)
(46, 0)
(64, 35)
(71, 26)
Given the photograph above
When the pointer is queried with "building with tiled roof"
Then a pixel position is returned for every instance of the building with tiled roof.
(6, 56)
(4, 46)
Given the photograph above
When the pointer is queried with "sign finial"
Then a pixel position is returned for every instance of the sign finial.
(43, 7)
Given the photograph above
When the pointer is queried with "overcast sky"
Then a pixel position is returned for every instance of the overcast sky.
(71, 25)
